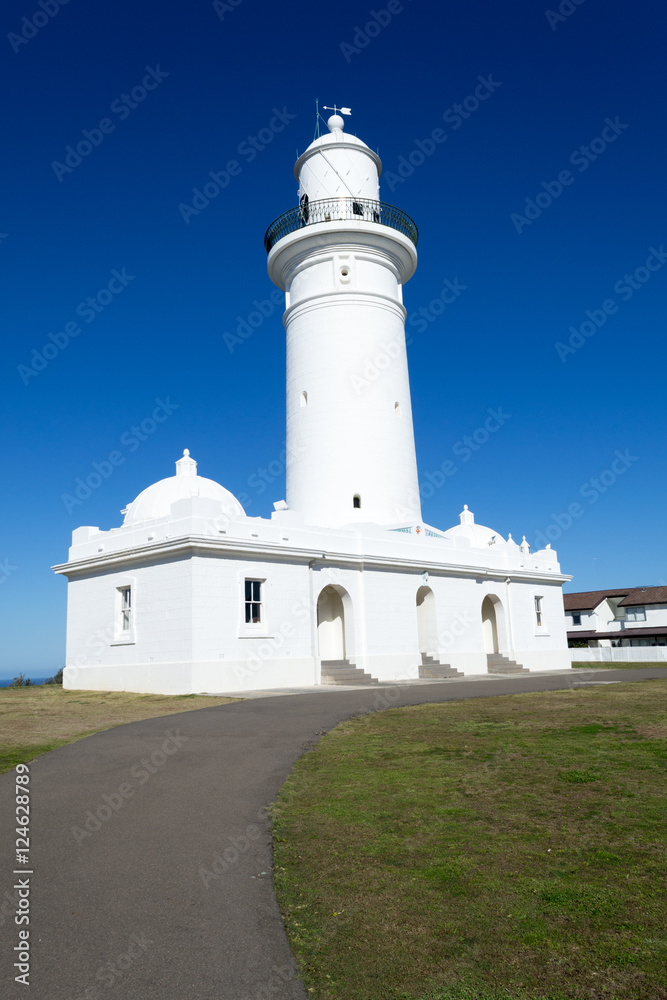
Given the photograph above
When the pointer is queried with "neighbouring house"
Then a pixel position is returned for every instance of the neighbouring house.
(627, 617)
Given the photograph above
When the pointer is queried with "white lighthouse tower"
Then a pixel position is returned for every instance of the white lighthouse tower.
(342, 257)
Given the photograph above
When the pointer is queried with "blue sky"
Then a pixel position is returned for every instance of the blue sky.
(542, 205)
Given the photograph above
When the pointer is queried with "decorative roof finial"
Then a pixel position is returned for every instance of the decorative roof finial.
(186, 466)
(466, 516)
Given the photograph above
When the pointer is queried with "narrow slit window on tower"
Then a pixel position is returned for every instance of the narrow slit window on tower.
(356, 501)
(304, 398)
(397, 409)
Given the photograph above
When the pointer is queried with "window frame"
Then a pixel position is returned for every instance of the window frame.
(260, 629)
(124, 636)
(540, 626)
(254, 585)
(125, 619)
(635, 613)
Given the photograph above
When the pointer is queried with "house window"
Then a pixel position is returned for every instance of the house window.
(539, 618)
(253, 602)
(635, 614)
(125, 608)
(576, 618)
(356, 501)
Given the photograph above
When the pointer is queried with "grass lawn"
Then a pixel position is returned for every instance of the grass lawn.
(621, 666)
(40, 718)
(492, 848)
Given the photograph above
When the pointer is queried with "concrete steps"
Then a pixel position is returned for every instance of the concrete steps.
(344, 672)
(432, 669)
(497, 663)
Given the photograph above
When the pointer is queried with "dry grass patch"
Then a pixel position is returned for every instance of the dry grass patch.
(40, 718)
(492, 848)
(620, 666)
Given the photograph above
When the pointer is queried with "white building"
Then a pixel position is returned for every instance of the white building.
(191, 595)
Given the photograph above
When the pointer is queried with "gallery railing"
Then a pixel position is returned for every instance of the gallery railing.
(337, 210)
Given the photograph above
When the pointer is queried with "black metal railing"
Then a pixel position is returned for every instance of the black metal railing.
(337, 210)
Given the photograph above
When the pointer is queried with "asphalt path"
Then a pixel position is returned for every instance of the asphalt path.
(151, 849)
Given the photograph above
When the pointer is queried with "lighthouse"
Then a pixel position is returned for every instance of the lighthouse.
(342, 257)
(344, 583)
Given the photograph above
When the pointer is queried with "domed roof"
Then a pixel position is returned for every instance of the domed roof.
(156, 500)
(336, 137)
(478, 536)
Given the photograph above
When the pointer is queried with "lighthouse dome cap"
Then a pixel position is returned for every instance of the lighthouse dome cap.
(156, 500)
(336, 138)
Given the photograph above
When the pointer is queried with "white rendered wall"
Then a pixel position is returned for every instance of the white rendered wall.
(277, 652)
(189, 633)
(656, 616)
(588, 621)
(538, 647)
(161, 597)
(351, 433)
(337, 165)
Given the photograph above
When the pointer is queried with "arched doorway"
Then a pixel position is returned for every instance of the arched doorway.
(489, 626)
(330, 625)
(426, 624)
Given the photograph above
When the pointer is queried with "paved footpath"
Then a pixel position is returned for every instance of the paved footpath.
(133, 906)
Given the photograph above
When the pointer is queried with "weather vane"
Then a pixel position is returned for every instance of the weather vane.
(318, 117)
(337, 111)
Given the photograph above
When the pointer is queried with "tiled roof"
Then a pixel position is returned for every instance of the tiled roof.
(645, 595)
(590, 599)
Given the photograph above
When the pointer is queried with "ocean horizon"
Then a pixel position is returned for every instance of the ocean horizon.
(7, 681)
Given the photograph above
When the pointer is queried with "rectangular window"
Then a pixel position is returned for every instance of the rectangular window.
(125, 609)
(538, 612)
(253, 602)
(635, 614)
(576, 618)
